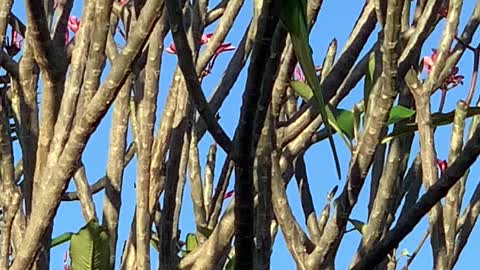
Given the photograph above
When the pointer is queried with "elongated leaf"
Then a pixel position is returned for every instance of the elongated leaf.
(192, 242)
(305, 92)
(359, 225)
(293, 16)
(334, 115)
(438, 119)
(90, 248)
(154, 241)
(345, 120)
(342, 119)
(399, 113)
(405, 253)
(231, 264)
(302, 89)
(64, 237)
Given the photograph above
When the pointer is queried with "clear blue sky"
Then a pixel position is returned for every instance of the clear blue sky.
(335, 21)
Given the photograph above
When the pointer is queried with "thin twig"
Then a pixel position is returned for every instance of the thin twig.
(187, 66)
(473, 83)
(414, 254)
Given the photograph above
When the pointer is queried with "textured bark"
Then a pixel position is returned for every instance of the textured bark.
(57, 87)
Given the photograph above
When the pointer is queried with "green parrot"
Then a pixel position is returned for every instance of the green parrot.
(294, 18)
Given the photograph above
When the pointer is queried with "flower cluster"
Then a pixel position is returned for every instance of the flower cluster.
(453, 79)
(224, 47)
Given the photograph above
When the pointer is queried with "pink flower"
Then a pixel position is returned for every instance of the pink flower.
(73, 24)
(225, 47)
(229, 194)
(16, 45)
(17, 40)
(66, 265)
(428, 61)
(171, 48)
(205, 38)
(298, 73)
(452, 80)
(442, 165)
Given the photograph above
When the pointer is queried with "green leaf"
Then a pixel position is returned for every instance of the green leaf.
(345, 121)
(64, 237)
(405, 253)
(192, 242)
(154, 241)
(359, 225)
(293, 16)
(399, 113)
(302, 89)
(90, 248)
(231, 264)
(438, 119)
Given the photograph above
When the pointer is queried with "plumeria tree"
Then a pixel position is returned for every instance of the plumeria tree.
(66, 72)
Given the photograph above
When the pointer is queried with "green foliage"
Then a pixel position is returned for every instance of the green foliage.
(231, 264)
(345, 122)
(399, 113)
(438, 119)
(64, 237)
(302, 89)
(90, 248)
(405, 253)
(293, 16)
(358, 225)
(154, 241)
(344, 119)
(341, 120)
(192, 242)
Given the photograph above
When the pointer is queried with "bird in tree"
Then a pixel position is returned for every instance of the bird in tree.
(293, 16)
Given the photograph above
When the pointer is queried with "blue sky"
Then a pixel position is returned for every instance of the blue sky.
(335, 21)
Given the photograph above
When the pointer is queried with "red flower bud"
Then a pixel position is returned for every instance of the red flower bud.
(229, 194)
(442, 165)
